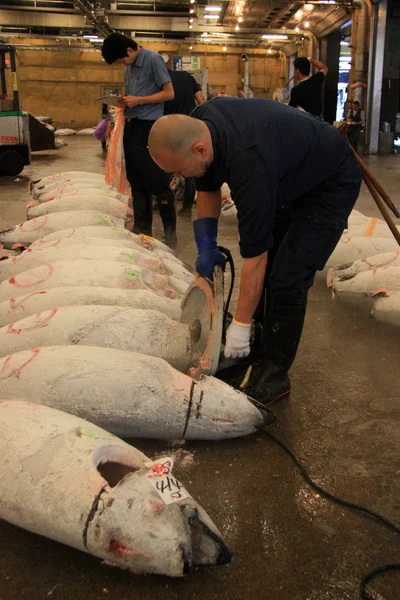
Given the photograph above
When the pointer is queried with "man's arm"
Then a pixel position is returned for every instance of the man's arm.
(319, 65)
(251, 285)
(166, 93)
(199, 97)
(209, 204)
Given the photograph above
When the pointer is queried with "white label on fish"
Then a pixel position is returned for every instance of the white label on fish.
(160, 477)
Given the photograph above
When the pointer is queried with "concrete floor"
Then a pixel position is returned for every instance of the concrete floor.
(290, 544)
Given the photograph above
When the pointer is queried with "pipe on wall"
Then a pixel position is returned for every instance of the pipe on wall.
(361, 72)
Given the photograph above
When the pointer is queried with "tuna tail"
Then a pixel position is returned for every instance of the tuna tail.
(208, 547)
(267, 414)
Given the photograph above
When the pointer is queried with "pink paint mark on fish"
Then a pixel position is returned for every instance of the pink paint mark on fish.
(39, 322)
(18, 303)
(45, 276)
(15, 371)
(35, 224)
(222, 421)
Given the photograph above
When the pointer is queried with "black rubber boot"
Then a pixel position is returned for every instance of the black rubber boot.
(166, 204)
(269, 380)
(142, 213)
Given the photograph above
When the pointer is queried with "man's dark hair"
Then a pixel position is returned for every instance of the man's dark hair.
(303, 65)
(357, 103)
(116, 46)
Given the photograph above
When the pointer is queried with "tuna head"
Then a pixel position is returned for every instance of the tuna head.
(135, 529)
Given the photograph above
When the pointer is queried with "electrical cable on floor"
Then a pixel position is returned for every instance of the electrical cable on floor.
(375, 572)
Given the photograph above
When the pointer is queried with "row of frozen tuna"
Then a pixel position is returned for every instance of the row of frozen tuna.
(365, 268)
(90, 329)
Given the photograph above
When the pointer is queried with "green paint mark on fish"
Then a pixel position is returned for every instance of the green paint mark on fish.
(80, 432)
(116, 229)
(126, 255)
(100, 219)
(131, 274)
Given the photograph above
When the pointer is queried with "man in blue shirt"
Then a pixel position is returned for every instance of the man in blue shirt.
(147, 86)
(271, 156)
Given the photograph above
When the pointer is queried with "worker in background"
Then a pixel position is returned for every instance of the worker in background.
(307, 94)
(355, 120)
(187, 95)
(147, 86)
(270, 155)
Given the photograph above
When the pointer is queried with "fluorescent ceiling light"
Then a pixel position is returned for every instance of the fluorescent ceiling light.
(204, 34)
(216, 17)
(343, 43)
(213, 8)
(274, 36)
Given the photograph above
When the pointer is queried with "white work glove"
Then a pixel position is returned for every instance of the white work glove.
(237, 344)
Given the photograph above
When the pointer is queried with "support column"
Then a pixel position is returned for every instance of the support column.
(375, 75)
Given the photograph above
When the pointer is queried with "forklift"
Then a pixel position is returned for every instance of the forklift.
(20, 132)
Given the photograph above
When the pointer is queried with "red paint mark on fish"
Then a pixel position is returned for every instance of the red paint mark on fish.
(48, 271)
(222, 421)
(18, 303)
(120, 551)
(35, 224)
(18, 245)
(39, 322)
(7, 370)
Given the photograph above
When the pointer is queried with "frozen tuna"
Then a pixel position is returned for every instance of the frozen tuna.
(349, 250)
(365, 264)
(80, 190)
(70, 481)
(144, 331)
(104, 273)
(29, 304)
(362, 285)
(131, 395)
(30, 231)
(115, 233)
(101, 204)
(34, 257)
(386, 307)
(374, 228)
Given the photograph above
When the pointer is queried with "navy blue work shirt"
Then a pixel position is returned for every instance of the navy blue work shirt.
(269, 154)
(146, 77)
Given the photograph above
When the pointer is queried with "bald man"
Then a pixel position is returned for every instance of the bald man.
(294, 181)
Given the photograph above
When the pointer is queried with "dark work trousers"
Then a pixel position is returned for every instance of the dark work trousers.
(189, 193)
(305, 234)
(146, 179)
(353, 135)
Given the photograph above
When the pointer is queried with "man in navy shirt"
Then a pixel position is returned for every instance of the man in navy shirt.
(147, 86)
(271, 156)
(187, 94)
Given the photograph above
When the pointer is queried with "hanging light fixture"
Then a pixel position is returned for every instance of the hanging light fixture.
(307, 24)
(224, 49)
(237, 28)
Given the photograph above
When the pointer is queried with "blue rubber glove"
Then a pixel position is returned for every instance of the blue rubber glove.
(205, 235)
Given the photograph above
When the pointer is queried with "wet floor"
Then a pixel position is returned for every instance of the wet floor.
(343, 420)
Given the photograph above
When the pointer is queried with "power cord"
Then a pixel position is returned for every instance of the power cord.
(375, 572)
(229, 259)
